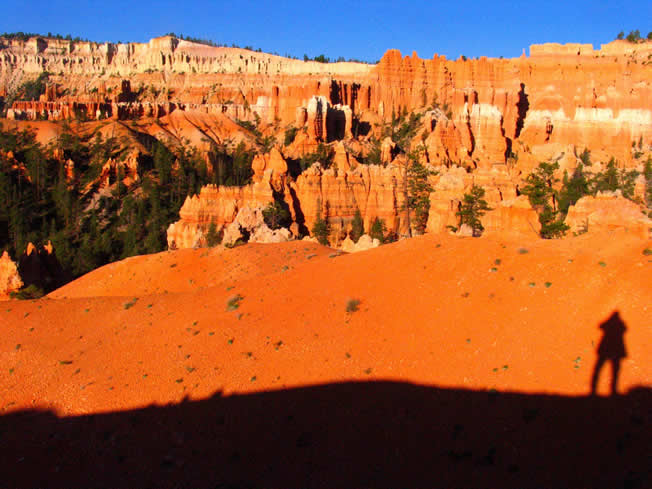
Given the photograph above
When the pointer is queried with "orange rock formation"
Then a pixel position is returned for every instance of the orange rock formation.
(10, 280)
(492, 119)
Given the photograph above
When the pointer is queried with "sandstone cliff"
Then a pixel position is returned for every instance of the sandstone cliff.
(485, 122)
(561, 94)
(10, 280)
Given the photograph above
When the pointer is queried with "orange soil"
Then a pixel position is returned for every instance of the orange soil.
(434, 310)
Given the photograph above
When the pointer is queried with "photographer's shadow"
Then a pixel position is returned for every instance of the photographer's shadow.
(612, 349)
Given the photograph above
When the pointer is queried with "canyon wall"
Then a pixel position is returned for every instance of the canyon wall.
(484, 121)
(563, 95)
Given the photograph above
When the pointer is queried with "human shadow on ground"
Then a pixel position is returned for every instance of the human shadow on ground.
(351, 434)
(612, 349)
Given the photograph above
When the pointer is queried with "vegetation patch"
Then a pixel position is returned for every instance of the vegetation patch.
(234, 302)
(352, 305)
(27, 293)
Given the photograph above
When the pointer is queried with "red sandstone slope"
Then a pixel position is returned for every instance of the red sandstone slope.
(471, 313)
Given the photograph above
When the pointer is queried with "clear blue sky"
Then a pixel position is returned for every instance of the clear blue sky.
(353, 29)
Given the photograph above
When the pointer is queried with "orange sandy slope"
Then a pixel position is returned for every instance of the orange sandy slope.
(434, 310)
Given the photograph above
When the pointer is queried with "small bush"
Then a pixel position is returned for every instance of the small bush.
(129, 304)
(27, 293)
(352, 305)
(234, 302)
(647, 251)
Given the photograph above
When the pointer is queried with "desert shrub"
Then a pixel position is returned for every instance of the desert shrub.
(28, 293)
(352, 305)
(233, 302)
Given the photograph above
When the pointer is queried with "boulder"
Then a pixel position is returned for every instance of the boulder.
(364, 243)
(10, 280)
(608, 211)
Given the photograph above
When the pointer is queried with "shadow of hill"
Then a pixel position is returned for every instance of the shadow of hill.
(355, 434)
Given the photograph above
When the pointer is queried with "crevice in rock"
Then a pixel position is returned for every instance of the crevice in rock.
(523, 105)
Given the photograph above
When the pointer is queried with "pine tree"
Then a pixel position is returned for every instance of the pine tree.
(212, 236)
(378, 230)
(472, 209)
(542, 195)
(573, 189)
(357, 226)
(322, 227)
(276, 215)
(417, 191)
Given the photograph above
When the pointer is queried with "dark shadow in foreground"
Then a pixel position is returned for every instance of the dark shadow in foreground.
(611, 349)
(356, 434)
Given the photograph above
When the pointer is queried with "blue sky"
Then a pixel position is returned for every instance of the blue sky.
(362, 29)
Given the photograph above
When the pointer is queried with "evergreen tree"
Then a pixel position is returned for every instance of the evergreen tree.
(417, 192)
(276, 215)
(612, 179)
(647, 173)
(357, 226)
(378, 230)
(573, 189)
(322, 227)
(212, 236)
(472, 209)
(542, 195)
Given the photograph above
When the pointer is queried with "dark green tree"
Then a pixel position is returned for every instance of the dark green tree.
(322, 227)
(357, 226)
(276, 215)
(472, 209)
(647, 173)
(378, 230)
(417, 192)
(612, 179)
(543, 197)
(573, 189)
(212, 236)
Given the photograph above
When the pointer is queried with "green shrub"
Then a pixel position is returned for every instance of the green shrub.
(352, 305)
(234, 302)
(27, 293)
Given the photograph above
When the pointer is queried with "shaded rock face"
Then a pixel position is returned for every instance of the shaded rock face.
(249, 225)
(10, 280)
(605, 212)
(336, 194)
(40, 267)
